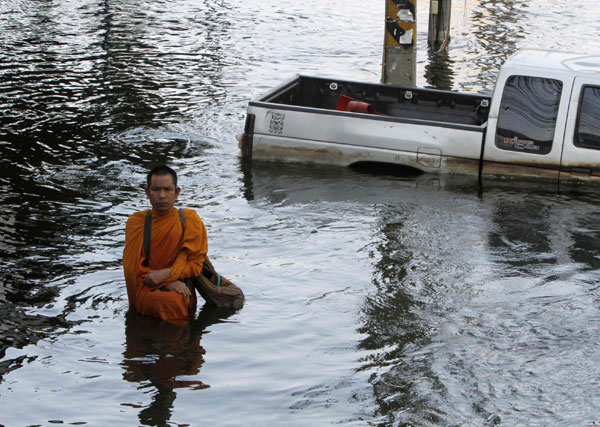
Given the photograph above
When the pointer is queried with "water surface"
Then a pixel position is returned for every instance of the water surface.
(371, 299)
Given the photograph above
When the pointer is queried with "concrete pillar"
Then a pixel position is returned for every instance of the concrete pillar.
(400, 50)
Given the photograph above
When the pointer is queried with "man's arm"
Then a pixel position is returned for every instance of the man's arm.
(179, 286)
(156, 277)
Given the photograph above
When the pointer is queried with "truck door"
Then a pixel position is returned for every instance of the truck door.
(524, 137)
(581, 152)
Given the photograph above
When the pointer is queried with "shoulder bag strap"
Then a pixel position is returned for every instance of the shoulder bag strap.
(148, 232)
(182, 220)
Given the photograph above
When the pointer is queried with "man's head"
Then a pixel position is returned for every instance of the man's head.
(162, 190)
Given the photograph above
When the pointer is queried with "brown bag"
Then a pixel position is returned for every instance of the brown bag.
(216, 289)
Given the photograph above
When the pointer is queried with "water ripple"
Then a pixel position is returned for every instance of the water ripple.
(370, 299)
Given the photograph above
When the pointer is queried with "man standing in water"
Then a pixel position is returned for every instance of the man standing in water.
(155, 281)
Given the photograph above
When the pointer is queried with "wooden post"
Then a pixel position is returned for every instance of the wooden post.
(400, 50)
(439, 23)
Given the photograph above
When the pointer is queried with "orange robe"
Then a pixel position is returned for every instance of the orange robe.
(167, 249)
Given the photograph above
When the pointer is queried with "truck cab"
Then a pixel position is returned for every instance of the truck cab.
(545, 117)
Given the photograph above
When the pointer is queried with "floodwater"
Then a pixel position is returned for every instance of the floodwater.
(371, 299)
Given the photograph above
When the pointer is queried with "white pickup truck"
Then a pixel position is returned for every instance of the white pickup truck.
(543, 120)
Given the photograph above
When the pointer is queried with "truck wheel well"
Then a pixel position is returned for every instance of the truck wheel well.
(382, 168)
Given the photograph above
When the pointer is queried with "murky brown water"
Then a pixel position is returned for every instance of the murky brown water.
(371, 300)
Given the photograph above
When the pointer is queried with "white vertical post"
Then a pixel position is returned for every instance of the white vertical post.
(439, 23)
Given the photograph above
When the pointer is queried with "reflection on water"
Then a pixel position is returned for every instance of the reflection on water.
(496, 30)
(372, 300)
(391, 321)
(471, 289)
(488, 332)
(438, 71)
(161, 355)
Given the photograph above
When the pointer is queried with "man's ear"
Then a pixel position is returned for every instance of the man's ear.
(147, 191)
(177, 190)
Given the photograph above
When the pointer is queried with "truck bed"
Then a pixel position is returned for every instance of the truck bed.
(387, 100)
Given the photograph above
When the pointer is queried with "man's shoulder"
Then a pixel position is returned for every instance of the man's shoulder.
(139, 214)
(190, 213)
(192, 217)
(138, 217)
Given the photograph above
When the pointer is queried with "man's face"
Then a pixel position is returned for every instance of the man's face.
(162, 192)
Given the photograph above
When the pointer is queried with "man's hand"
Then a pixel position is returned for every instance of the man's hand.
(156, 277)
(179, 286)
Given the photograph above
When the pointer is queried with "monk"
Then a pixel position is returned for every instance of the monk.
(155, 283)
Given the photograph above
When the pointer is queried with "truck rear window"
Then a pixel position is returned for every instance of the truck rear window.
(587, 134)
(528, 114)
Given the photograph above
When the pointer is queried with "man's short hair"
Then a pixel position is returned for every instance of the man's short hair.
(161, 170)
